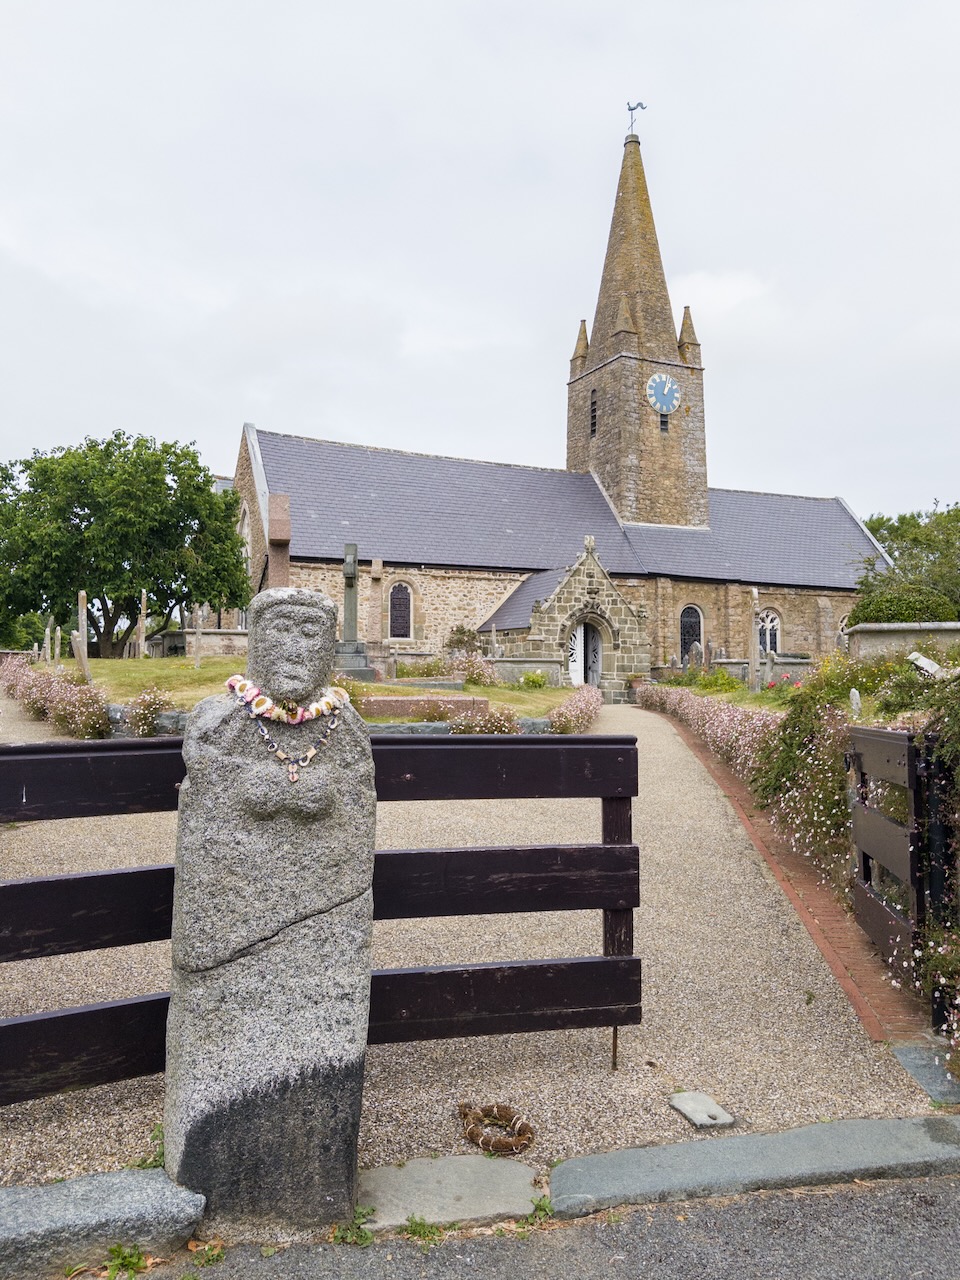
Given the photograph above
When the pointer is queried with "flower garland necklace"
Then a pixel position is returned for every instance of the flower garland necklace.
(259, 708)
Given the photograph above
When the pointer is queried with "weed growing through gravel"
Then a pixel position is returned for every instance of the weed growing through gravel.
(354, 1232)
(155, 1160)
(427, 1234)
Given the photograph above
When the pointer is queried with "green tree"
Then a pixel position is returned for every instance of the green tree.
(925, 549)
(112, 518)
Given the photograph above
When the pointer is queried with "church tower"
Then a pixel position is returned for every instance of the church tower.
(635, 399)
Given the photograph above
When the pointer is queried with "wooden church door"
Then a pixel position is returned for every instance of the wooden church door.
(585, 655)
(575, 655)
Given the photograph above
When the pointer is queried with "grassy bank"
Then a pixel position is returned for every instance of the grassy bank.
(185, 684)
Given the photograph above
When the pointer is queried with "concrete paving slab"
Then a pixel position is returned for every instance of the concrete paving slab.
(464, 1189)
(700, 1109)
(45, 1229)
(809, 1156)
(925, 1064)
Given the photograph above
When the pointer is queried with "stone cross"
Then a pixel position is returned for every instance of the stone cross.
(272, 918)
(46, 641)
(350, 591)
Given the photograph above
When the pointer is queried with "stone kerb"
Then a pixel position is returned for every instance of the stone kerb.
(272, 921)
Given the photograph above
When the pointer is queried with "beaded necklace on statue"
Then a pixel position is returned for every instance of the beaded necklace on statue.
(260, 708)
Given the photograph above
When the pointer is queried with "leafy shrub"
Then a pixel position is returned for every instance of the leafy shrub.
(782, 689)
(904, 689)
(713, 681)
(143, 710)
(499, 719)
(903, 602)
(477, 670)
(577, 713)
(462, 639)
(533, 680)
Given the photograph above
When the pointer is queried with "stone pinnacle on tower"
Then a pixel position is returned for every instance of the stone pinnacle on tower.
(580, 352)
(688, 342)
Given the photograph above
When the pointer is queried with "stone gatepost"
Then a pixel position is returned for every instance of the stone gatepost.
(273, 906)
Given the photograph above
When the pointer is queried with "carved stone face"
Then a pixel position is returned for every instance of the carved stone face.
(291, 643)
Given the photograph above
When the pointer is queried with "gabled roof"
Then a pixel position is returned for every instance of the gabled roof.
(412, 508)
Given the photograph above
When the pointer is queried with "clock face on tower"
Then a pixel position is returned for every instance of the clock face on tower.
(663, 392)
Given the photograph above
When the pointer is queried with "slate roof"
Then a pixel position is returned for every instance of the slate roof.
(410, 508)
(516, 609)
(762, 538)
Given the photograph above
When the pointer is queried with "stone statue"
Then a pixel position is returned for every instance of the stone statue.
(273, 906)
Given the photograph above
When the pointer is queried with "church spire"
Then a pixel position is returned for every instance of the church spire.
(633, 278)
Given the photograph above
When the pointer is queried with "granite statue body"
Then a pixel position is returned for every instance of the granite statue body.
(271, 938)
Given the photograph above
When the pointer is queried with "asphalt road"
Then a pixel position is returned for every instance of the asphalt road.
(867, 1231)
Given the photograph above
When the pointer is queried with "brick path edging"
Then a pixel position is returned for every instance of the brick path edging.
(886, 1012)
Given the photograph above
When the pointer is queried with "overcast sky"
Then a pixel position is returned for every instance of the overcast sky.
(383, 222)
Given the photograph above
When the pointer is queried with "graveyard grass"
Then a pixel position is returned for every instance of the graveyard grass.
(186, 685)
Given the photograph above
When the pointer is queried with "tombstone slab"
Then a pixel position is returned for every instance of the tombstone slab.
(267, 1029)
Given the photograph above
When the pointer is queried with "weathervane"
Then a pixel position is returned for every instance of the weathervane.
(637, 105)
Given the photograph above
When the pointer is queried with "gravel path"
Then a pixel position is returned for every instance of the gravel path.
(738, 1002)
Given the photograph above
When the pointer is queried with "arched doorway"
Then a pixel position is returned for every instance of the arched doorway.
(585, 654)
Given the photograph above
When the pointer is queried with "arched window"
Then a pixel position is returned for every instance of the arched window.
(593, 413)
(400, 613)
(769, 631)
(691, 629)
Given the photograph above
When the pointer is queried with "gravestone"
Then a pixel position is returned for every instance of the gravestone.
(273, 906)
(57, 645)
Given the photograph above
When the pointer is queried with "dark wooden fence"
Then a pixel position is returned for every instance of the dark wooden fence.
(95, 1044)
(903, 875)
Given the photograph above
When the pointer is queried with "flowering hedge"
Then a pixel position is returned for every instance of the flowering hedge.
(577, 713)
(793, 762)
(72, 705)
(499, 719)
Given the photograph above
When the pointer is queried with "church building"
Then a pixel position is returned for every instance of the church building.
(603, 571)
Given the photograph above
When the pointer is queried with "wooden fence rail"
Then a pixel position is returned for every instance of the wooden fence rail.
(95, 1044)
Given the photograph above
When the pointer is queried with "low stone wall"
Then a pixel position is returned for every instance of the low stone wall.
(868, 639)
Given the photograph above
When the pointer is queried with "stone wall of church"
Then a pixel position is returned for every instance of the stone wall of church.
(809, 619)
(441, 599)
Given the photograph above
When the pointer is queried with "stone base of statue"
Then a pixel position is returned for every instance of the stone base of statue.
(267, 1029)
